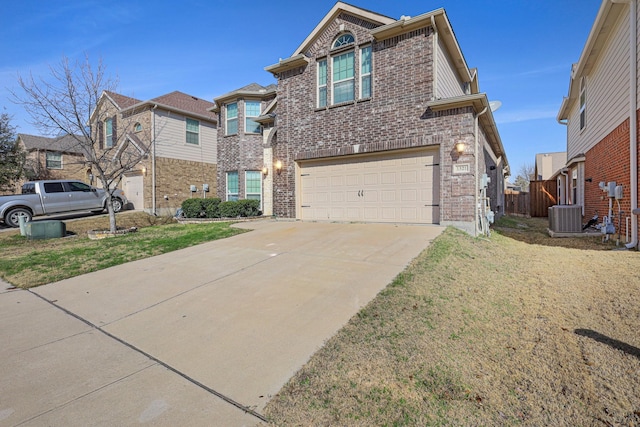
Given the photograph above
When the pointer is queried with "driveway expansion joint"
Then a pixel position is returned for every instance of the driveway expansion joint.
(193, 381)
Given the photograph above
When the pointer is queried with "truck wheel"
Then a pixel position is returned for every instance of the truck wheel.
(117, 204)
(11, 218)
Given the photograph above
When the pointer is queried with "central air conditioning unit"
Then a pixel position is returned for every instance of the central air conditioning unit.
(565, 219)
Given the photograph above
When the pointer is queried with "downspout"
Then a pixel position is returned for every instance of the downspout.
(435, 58)
(633, 121)
(153, 161)
(633, 118)
(477, 199)
(565, 172)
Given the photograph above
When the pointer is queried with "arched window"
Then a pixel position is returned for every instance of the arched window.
(343, 40)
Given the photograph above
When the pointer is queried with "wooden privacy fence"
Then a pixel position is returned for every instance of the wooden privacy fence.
(541, 196)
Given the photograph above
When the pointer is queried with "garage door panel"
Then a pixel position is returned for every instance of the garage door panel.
(388, 187)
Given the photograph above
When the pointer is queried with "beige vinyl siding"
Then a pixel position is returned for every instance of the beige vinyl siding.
(170, 129)
(607, 93)
(448, 82)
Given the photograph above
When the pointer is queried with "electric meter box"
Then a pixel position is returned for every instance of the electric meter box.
(618, 192)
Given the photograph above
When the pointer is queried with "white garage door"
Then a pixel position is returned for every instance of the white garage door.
(390, 187)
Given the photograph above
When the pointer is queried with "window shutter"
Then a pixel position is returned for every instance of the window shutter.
(100, 135)
(115, 131)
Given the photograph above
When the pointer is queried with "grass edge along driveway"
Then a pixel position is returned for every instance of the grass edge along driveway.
(27, 263)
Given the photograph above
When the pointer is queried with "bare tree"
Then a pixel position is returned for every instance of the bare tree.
(68, 102)
(525, 175)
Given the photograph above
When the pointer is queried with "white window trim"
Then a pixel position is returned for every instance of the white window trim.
(353, 78)
(320, 86)
(369, 74)
(187, 131)
(46, 160)
(227, 119)
(227, 186)
(247, 116)
(108, 137)
(246, 193)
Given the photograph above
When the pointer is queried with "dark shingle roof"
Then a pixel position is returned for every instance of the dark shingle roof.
(186, 103)
(121, 100)
(66, 143)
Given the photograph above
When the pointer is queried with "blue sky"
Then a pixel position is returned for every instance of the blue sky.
(523, 49)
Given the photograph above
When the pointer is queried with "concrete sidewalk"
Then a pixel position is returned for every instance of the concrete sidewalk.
(202, 336)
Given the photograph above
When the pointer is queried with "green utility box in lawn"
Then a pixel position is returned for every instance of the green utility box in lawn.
(45, 229)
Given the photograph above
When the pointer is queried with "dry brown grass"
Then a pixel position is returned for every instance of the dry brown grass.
(517, 329)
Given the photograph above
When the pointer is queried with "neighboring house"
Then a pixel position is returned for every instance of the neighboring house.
(600, 113)
(374, 119)
(548, 164)
(53, 158)
(178, 135)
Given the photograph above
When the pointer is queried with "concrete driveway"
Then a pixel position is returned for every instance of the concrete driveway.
(202, 336)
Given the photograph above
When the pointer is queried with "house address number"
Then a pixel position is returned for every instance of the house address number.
(461, 168)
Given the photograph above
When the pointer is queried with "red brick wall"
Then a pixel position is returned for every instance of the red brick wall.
(395, 117)
(609, 161)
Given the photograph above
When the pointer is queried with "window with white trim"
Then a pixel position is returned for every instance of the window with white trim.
(322, 83)
(54, 160)
(108, 133)
(232, 119)
(365, 72)
(232, 186)
(253, 185)
(583, 103)
(251, 111)
(193, 131)
(340, 67)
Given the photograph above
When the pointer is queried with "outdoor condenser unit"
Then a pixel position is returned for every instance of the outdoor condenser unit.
(565, 218)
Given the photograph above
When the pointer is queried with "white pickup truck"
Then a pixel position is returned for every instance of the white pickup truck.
(56, 196)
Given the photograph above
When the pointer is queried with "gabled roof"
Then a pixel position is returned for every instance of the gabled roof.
(253, 90)
(479, 102)
(385, 28)
(121, 101)
(64, 144)
(600, 32)
(181, 103)
(336, 10)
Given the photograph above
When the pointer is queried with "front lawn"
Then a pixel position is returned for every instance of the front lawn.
(27, 263)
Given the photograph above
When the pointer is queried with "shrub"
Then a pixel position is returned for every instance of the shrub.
(215, 208)
(229, 209)
(192, 208)
(211, 207)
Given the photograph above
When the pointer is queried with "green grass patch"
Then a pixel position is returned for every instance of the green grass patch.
(28, 263)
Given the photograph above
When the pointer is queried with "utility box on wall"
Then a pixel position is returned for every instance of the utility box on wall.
(565, 218)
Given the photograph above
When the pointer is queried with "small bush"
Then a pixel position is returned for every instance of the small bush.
(211, 207)
(192, 208)
(215, 208)
(229, 209)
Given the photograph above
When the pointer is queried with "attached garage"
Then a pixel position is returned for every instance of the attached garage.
(394, 186)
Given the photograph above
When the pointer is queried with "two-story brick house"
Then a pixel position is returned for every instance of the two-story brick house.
(375, 119)
(600, 114)
(177, 136)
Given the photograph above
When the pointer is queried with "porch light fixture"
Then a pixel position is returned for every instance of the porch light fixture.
(278, 166)
(265, 171)
(460, 146)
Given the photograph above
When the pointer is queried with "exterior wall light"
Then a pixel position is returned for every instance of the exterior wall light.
(278, 166)
(460, 146)
(265, 171)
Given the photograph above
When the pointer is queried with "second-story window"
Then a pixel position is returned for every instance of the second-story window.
(322, 83)
(342, 76)
(365, 72)
(193, 131)
(108, 133)
(54, 160)
(232, 119)
(251, 111)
